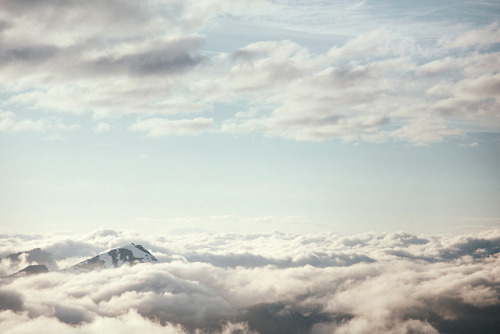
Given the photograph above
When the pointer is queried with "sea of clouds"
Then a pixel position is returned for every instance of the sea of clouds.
(257, 283)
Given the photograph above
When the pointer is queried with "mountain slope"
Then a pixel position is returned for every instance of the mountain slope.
(130, 254)
(31, 270)
(33, 257)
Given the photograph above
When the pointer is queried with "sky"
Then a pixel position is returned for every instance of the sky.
(249, 116)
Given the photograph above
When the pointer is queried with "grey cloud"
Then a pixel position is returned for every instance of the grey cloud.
(465, 318)
(247, 56)
(282, 319)
(315, 121)
(74, 9)
(230, 260)
(210, 311)
(404, 254)
(170, 58)
(4, 25)
(482, 87)
(158, 63)
(476, 248)
(28, 54)
(10, 300)
(346, 76)
(114, 58)
(93, 56)
(319, 260)
(33, 4)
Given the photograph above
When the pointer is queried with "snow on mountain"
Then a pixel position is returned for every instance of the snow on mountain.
(130, 254)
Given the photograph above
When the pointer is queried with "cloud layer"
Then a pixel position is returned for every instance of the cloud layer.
(261, 283)
(147, 59)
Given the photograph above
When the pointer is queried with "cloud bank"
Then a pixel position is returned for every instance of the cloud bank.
(148, 59)
(261, 283)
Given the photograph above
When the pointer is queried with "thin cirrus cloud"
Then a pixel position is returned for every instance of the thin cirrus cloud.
(260, 283)
(381, 83)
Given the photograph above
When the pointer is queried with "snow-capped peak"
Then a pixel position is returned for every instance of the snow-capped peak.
(129, 254)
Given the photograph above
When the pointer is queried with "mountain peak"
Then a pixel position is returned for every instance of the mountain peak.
(33, 269)
(130, 254)
(33, 257)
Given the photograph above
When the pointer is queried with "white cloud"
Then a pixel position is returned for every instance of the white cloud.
(473, 144)
(10, 124)
(159, 127)
(128, 323)
(102, 127)
(479, 38)
(6, 114)
(131, 58)
(369, 89)
(216, 283)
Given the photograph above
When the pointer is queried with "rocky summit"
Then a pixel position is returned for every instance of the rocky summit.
(130, 254)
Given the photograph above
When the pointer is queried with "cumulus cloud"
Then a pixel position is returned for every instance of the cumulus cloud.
(148, 59)
(477, 38)
(93, 56)
(264, 283)
(361, 91)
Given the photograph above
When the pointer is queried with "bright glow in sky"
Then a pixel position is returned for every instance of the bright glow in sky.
(302, 116)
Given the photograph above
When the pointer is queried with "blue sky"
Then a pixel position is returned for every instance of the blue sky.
(300, 116)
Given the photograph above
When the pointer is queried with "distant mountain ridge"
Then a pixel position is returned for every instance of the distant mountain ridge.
(34, 256)
(127, 255)
(31, 270)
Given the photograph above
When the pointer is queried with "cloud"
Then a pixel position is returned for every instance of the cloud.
(160, 58)
(368, 89)
(377, 84)
(128, 323)
(480, 38)
(94, 55)
(10, 300)
(264, 283)
(10, 125)
(332, 95)
(102, 127)
(27, 55)
(159, 127)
